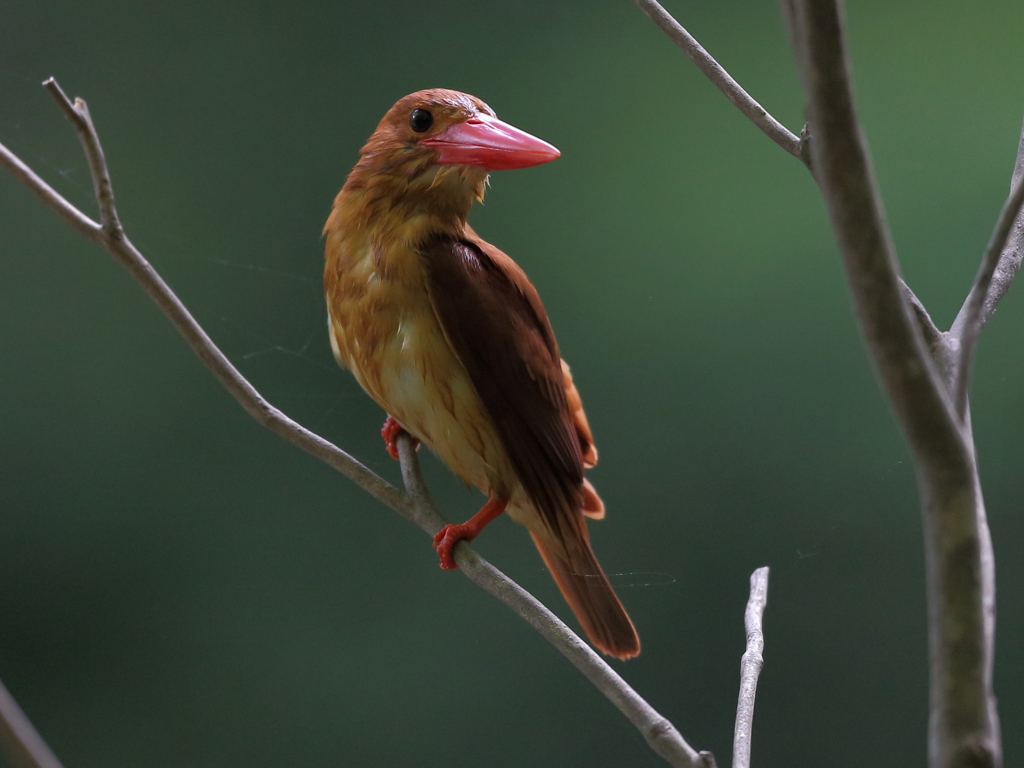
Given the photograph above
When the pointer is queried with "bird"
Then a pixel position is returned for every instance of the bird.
(449, 336)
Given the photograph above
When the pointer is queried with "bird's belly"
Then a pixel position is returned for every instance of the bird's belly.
(435, 401)
(412, 373)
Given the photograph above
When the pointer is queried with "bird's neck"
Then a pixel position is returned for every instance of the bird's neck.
(404, 203)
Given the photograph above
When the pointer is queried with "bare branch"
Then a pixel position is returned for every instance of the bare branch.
(916, 362)
(750, 668)
(798, 147)
(51, 199)
(78, 114)
(963, 725)
(843, 171)
(970, 328)
(714, 71)
(932, 335)
(240, 388)
(427, 515)
(414, 505)
(1009, 260)
(999, 266)
(20, 738)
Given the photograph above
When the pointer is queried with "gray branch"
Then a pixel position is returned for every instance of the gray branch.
(843, 171)
(1009, 260)
(976, 300)
(49, 196)
(413, 504)
(960, 577)
(722, 80)
(78, 114)
(772, 128)
(20, 738)
(906, 346)
(750, 668)
(999, 266)
(933, 337)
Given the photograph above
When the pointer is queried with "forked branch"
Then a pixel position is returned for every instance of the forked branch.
(78, 113)
(1009, 262)
(759, 116)
(413, 504)
(844, 173)
(1002, 259)
(960, 576)
(722, 80)
(986, 292)
(930, 401)
(892, 317)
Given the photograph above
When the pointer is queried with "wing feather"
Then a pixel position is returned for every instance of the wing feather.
(495, 323)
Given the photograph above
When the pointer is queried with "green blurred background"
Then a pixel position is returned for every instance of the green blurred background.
(181, 588)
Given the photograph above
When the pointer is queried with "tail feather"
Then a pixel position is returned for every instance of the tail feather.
(591, 597)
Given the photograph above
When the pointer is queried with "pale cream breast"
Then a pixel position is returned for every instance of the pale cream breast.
(384, 330)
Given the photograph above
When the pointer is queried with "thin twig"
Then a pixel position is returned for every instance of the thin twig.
(932, 335)
(415, 504)
(999, 265)
(28, 178)
(427, 515)
(716, 73)
(797, 147)
(971, 327)
(960, 578)
(750, 668)
(22, 741)
(1009, 261)
(78, 114)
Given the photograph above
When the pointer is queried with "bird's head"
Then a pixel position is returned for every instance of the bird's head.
(445, 140)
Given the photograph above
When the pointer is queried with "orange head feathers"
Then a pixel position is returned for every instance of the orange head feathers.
(433, 149)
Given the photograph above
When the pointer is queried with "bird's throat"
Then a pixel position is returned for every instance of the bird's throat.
(402, 205)
(386, 211)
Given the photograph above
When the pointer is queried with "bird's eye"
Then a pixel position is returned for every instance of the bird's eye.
(420, 120)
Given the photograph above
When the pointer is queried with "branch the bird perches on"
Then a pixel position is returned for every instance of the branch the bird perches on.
(413, 503)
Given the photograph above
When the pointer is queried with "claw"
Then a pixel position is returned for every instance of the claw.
(390, 432)
(446, 539)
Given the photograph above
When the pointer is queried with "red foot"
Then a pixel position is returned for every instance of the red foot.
(446, 539)
(390, 432)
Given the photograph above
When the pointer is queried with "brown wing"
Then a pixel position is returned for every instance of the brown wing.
(497, 326)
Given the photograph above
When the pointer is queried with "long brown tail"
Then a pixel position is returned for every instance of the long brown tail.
(591, 597)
